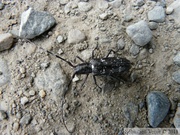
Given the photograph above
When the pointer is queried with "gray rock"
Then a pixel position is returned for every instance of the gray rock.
(26, 119)
(84, 6)
(5, 74)
(139, 3)
(130, 112)
(157, 14)
(6, 41)
(116, 3)
(169, 10)
(176, 76)
(75, 36)
(176, 119)
(120, 44)
(158, 106)
(176, 59)
(3, 115)
(153, 25)
(139, 33)
(103, 5)
(176, 7)
(134, 50)
(34, 23)
(1, 5)
(52, 80)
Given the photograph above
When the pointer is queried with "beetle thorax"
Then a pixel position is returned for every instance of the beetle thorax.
(84, 68)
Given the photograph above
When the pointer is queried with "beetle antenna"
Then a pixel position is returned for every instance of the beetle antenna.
(61, 58)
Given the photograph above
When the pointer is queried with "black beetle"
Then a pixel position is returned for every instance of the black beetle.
(108, 66)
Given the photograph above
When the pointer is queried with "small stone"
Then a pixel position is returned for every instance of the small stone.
(115, 3)
(60, 39)
(103, 16)
(3, 115)
(42, 93)
(84, 6)
(103, 5)
(158, 107)
(130, 112)
(134, 50)
(120, 44)
(45, 65)
(32, 92)
(169, 10)
(176, 119)
(140, 3)
(151, 51)
(34, 23)
(60, 51)
(15, 126)
(26, 119)
(176, 59)
(24, 100)
(157, 14)
(153, 25)
(75, 79)
(5, 74)
(63, 2)
(176, 76)
(1, 5)
(22, 70)
(75, 36)
(6, 41)
(128, 18)
(139, 33)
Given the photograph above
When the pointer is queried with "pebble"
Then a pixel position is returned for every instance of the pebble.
(75, 79)
(6, 41)
(42, 93)
(176, 76)
(75, 36)
(176, 59)
(64, 2)
(139, 33)
(34, 23)
(158, 107)
(130, 111)
(116, 3)
(139, 3)
(169, 10)
(5, 74)
(53, 80)
(60, 39)
(84, 6)
(128, 17)
(25, 120)
(24, 100)
(153, 25)
(45, 65)
(103, 5)
(15, 126)
(120, 44)
(103, 16)
(1, 5)
(134, 50)
(3, 115)
(157, 14)
(176, 119)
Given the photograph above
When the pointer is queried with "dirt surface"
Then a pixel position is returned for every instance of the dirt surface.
(90, 110)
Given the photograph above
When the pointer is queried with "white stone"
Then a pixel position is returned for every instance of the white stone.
(169, 10)
(42, 93)
(103, 16)
(75, 36)
(24, 100)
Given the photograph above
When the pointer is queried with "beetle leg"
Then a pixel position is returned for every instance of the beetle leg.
(80, 59)
(84, 81)
(110, 52)
(94, 78)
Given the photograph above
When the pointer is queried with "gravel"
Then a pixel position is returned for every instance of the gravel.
(120, 44)
(25, 120)
(3, 115)
(134, 50)
(5, 74)
(24, 100)
(139, 33)
(84, 6)
(153, 25)
(158, 107)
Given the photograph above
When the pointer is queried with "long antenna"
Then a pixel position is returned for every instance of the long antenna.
(69, 63)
